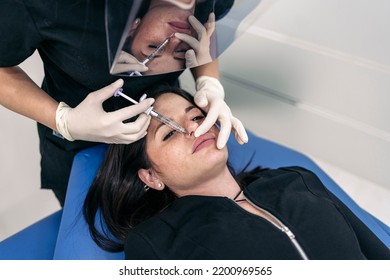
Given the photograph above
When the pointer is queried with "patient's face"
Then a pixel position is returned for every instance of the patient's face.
(183, 162)
(159, 23)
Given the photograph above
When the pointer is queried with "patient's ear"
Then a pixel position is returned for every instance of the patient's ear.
(150, 178)
(134, 26)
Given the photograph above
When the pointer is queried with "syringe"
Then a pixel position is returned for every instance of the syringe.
(153, 54)
(153, 113)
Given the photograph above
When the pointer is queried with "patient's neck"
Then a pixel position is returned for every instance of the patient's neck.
(222, 184)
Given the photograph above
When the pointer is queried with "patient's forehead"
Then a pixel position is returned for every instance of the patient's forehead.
(170, 103)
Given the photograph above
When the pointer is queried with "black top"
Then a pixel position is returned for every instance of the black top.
(202, 227)
(70, 37)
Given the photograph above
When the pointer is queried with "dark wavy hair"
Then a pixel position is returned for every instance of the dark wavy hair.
(117, 199)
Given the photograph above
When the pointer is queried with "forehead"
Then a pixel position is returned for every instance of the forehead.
(170, 103)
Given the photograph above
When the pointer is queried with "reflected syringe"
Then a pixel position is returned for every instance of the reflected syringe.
(153, 54)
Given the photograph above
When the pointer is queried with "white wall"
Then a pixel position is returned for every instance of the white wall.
(322, 69)
(21, 200)
(314, 75)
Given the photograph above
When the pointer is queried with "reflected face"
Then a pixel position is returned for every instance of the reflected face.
(161, 21)
(182, 161)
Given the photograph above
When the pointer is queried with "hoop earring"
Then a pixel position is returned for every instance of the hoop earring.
(146, 188)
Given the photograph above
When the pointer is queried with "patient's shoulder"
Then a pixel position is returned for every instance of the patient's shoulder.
(291, 178)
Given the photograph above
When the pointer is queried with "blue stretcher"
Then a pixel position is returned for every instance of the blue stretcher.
(64, 234)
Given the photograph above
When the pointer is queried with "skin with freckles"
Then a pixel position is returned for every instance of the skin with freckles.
(188, 165)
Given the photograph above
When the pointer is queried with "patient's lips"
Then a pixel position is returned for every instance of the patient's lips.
(202, 142)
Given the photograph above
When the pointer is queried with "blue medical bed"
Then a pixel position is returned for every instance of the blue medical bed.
(64, 234)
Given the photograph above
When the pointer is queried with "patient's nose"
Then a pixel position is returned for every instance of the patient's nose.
(191, 127)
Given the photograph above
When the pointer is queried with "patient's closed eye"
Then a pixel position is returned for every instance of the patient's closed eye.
(172, 132)
(197, 118)
(169, 135)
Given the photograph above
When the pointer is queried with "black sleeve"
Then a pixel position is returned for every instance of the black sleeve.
(222, 7)
(19, 35)
(371, 246)
(219, 7)
(138, 248)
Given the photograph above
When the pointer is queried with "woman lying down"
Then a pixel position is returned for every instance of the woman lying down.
(180, 200)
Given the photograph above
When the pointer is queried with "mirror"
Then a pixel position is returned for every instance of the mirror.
(152, 37)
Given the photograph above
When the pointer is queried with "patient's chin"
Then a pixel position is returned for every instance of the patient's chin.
(215, 156)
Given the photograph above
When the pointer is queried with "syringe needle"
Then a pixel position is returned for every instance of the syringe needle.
(158, 49)
(169, 122)
(153, 113)
(153, 54)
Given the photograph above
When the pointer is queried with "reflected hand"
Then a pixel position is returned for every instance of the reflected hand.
(200, 52)
(210, 97)
(128, 63)
(88, 121)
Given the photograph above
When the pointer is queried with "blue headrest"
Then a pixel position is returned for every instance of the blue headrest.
(74, 241)
(36, 242)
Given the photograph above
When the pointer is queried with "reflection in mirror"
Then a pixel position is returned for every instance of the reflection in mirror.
(161, 36)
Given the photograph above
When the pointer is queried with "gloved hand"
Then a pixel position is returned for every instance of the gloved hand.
(88, 121)
(128, 63)
(210, 97)
(200, 52)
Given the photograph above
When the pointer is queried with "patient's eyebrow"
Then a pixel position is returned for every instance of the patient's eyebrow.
(189, 108)
(186, 110)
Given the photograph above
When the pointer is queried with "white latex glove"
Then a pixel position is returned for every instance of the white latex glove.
(210, 97)
(128, 63)
(200, 52)
(88, 121)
